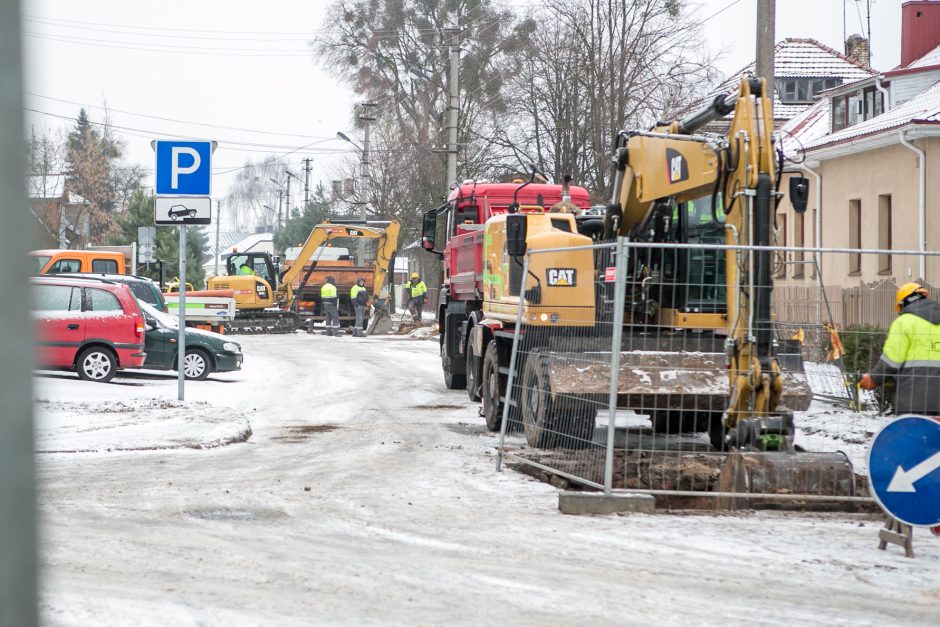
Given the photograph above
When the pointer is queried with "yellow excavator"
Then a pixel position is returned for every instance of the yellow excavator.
(698, 351)
(268, 300)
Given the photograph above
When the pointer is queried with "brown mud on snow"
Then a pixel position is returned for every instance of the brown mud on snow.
(300, 433)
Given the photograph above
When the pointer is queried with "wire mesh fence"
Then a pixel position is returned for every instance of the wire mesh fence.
(621, 380)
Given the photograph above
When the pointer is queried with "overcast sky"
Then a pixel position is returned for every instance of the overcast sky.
(246, 68)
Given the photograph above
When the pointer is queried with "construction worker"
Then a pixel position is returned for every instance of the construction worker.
(911, 354)
(330, 306)
(358, 297)
(245, 269)
(417, 295)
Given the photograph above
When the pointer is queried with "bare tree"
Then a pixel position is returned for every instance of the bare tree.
(591, 68)
(252, 201)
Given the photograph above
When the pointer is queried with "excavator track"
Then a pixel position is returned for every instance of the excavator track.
(258, 322)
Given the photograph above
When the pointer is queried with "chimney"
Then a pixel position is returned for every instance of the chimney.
(857, 49)
(920, 29)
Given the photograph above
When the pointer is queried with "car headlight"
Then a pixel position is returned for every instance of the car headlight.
(232, 347)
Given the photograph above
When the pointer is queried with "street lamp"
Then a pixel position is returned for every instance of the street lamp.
(286, 189)
(341, 135)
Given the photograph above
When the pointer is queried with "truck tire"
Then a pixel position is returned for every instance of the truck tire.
(452, 380)
(489, 387)
(473, 373)
(575, 423)
(535, 403)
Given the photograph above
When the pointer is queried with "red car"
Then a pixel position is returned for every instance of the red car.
(92, 326)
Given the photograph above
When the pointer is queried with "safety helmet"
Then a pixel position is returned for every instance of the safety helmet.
(415, 275)
(906, 291)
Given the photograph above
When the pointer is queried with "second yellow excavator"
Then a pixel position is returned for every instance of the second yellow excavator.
(269, 300)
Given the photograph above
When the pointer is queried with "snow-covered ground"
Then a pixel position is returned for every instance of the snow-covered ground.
(366, 494)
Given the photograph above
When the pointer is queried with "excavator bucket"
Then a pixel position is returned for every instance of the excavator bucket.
(762, 477)
(688, 381)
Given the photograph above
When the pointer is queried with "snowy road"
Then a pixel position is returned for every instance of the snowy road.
(395, 516)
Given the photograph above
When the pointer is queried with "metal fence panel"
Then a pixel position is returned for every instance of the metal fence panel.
(638, 400)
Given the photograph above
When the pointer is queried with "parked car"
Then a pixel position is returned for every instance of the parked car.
(206, 352)
(88, 325)
(144, 289)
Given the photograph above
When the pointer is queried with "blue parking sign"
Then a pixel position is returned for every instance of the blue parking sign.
(904, 470)
(184, 168)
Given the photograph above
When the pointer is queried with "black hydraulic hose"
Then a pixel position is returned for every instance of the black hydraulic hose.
(718, 181)
(763, 285)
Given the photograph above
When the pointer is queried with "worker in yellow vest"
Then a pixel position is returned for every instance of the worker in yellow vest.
(330, 302)
(359, 298)
(417, 295)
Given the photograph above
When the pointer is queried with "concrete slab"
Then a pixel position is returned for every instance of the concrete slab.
(600, 503)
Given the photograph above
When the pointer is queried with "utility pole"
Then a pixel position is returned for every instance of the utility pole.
(306, 182)
(280, 194)
(218, 219)
(288, 197)
(452, 85)
(367, 118)
(766, 11)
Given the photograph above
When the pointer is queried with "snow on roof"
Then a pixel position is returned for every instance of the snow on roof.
(805, 127)
(923, 108)
(929, 59)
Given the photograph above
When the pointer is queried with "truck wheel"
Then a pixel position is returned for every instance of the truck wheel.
(452, 380)
(716, 432)
(473, 375)
(489, 383)
(536, 404)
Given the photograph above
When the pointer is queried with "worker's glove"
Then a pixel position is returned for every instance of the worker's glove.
(866, 383)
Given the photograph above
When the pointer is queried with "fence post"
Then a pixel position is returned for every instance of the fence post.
(620, 284)
(512, 365)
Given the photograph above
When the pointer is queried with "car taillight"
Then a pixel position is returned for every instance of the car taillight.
(139, 327)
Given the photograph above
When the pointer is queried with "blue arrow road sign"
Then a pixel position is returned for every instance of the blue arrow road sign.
(904, 470)
(184, 168)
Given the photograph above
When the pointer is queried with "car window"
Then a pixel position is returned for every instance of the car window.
(102, 300)
(66, 265)
(57, 298)
(104, 266)
(142, 291)
(41, 261)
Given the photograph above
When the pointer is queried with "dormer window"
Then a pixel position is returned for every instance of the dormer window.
(850, 109)
(802, 90)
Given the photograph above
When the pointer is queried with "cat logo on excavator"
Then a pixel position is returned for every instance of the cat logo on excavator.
(561, 277)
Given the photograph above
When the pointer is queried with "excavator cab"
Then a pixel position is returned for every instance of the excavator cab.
(257, 264)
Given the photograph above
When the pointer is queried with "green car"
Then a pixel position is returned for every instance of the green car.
(206, 352)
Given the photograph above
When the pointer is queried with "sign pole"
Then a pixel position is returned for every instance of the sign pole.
(181, 358)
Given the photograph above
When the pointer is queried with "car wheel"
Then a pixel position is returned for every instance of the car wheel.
(192, 213)
(96, 363)
(196, 365)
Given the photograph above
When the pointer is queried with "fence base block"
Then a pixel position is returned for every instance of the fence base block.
(599, 503)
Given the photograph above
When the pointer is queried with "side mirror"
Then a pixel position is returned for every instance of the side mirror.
(516, 234)
(799, 193)
(429, 229)
(150, 324)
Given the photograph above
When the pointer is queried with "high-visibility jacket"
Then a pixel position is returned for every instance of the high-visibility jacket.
(416, 289)
(328, 293)
(245, 270)
(358, 295)
(911, 355)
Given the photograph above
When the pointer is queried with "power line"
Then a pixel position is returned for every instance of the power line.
(155, 117)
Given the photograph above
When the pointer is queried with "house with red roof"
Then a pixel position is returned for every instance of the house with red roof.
(871, 150)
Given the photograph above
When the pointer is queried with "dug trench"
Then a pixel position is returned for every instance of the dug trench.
(651, 470)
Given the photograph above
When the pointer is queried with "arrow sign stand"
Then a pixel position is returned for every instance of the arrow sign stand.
(896, 532)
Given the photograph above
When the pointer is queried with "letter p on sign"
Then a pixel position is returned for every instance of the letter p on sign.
(176, 167)
(184, 168)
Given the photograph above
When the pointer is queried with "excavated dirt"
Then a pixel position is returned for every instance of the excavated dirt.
(300, 433)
